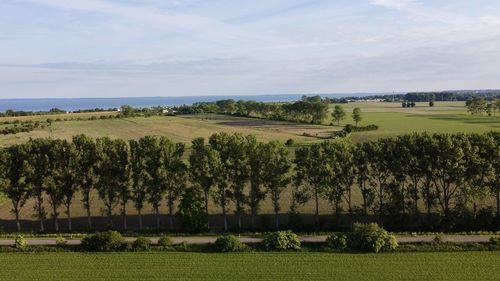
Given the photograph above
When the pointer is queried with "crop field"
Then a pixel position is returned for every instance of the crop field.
(249, 266)
(391, 118)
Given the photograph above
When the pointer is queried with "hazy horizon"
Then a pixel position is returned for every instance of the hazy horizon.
(176, 48)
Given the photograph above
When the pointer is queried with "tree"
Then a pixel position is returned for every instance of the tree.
(204, 169)
(111, 172)
(175, 176)
(191, 212)
(13, 183)
(139, 177)
(54, 179)
(69, 159)
(222, 194)
(127, 111)
(476, 106)
(36, 170)
(311, 170)
(356, 115)
(154, 158)
(85, 174)
(448, 166)
(257, 167)
(275, 173)
(338, 114)
(363, 174)
(340, 172)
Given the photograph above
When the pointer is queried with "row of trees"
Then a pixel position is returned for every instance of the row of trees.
(339, 114)
(406, 175)
(307, 110)
(480, 106)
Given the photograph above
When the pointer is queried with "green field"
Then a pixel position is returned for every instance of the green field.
(391, 118)
(250, 266)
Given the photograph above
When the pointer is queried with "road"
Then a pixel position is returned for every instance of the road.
(246, 239)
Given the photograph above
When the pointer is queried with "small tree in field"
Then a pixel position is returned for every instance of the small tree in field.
(356, 115)
(338, 114)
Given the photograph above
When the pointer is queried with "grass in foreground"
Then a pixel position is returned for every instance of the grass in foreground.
(250, 266)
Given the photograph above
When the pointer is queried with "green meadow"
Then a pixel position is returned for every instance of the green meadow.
(249, 266)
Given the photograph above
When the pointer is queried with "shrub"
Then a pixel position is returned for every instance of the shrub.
(20, 242)
(165, 241)
(337, 241)
(61, 241)
(141, 244)
(192, 212)
(289, 142)
(281, 241)
(495, 241)
(438, 239)
(104, 242)
(229, 243)
(370, 237)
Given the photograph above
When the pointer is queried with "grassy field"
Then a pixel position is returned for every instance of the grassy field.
(250, 266)
(391, 118)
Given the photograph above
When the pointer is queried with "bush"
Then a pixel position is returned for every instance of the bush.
(61, 241)
(20, 242)
(165, 241)
(372, 238)
(281, 241)
(229, 243)
(495, 241)
(104, 242)
(337, 241)
(141, 244)
(350, 128)
(290, 142)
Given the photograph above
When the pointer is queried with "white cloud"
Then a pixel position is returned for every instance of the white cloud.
(393, 4)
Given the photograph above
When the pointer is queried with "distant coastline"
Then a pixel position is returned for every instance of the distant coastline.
(72, 104)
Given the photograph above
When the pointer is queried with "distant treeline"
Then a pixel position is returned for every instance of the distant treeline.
(434, 96)
(308, 110)
(17, 113)
(453, 179)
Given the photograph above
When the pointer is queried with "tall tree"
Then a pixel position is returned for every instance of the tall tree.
(204, 169)
(222, 194)
(175, 176)
(112, 173)
(275, 175)
(448, 166)
(13, 182)
(139, 177)
(363, 175)
(85, 174)
(256, 152)
(338, 114)
(380, 160)
(68, 166)
(356, 115)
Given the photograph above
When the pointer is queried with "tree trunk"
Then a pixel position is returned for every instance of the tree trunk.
(157, 214)
(276, 219)
(40, 213)
(110, 217)
(139, 212)
(68, 213)
(171, 213)
(316, 212)
(206, 208)
(238, 214)
(18, 223)
(56, 222)
(124, 213)
(498, 202)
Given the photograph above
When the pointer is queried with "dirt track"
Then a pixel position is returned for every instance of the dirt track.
(246, 239)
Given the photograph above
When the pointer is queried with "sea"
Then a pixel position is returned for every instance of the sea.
(73, 104)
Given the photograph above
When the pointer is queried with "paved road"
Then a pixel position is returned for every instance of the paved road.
(246, 239)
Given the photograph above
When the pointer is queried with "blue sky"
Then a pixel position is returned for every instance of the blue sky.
(109, 48)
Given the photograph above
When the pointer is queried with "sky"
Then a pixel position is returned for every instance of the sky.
(121, 48)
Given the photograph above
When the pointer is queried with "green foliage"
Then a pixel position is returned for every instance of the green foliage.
(372, 238)
(61, 241)
(191, 211)
(141, 244)
(229, 243)
(20, 242)
(356, 115)
(281, 241)
(289, 142)
(350, 128)
(336, 241)
(495, 241)
(108, 241)
(165, 241)
(338, 114)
